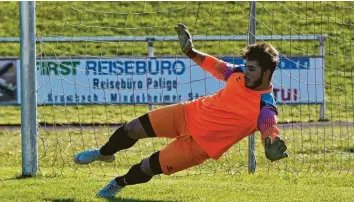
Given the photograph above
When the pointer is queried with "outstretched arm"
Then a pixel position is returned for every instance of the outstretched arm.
(267, 122)
(275, 148)
(218, 68)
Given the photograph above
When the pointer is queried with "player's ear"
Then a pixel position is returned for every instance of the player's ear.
(266, 73)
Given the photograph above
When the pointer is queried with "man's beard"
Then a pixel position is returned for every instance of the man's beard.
(256, 84)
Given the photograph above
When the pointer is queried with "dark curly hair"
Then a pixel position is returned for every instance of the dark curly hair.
(266, 55)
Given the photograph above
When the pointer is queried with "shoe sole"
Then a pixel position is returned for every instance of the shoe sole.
(77, 160)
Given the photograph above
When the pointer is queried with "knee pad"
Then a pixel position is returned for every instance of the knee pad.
(135, 130)
(151, 165)
(146, 124)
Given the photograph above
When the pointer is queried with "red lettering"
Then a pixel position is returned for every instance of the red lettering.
(284, 93)
(295, 94)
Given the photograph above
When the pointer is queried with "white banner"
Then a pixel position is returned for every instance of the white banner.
(161, 80)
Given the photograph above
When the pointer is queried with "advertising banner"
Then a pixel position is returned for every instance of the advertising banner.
(162, 80)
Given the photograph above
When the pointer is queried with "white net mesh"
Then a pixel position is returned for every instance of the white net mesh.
(79, 111)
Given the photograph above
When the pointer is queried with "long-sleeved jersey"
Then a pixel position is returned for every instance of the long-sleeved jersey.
(218, 121)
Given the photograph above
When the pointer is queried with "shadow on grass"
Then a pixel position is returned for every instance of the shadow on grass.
(16, 177)
(8, 179)
(110, 200)
(19, 176)
(135, 200)
(60, 200)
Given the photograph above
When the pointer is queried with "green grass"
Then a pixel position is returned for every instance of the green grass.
(320, 168)
(240, 187)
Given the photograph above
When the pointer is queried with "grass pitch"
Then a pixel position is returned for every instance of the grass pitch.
(320, 168)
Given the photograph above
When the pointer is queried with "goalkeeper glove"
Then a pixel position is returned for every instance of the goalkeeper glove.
(185, 39)
(276, 150)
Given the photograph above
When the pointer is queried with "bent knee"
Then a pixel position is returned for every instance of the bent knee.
(151, 166)
(139, 128)
(135, 130)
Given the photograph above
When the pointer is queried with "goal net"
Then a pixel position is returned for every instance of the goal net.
(101, 64)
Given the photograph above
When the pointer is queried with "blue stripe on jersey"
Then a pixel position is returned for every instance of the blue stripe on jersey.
(268, 99)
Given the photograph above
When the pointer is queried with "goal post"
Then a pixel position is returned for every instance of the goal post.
(28, 89)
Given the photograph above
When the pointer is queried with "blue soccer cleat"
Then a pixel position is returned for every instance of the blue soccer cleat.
(92, 155)
(110, 190)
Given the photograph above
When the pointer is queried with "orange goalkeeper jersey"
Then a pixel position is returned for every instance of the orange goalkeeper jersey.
(218, 121)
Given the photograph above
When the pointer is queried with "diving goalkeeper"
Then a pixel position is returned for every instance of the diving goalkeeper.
(206, 127)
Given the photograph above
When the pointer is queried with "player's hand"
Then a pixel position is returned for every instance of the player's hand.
(276, 150)
(185, 39)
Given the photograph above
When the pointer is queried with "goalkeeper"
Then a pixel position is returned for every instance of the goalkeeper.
(206, 127)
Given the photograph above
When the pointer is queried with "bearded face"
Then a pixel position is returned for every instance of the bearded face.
(253, 74)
